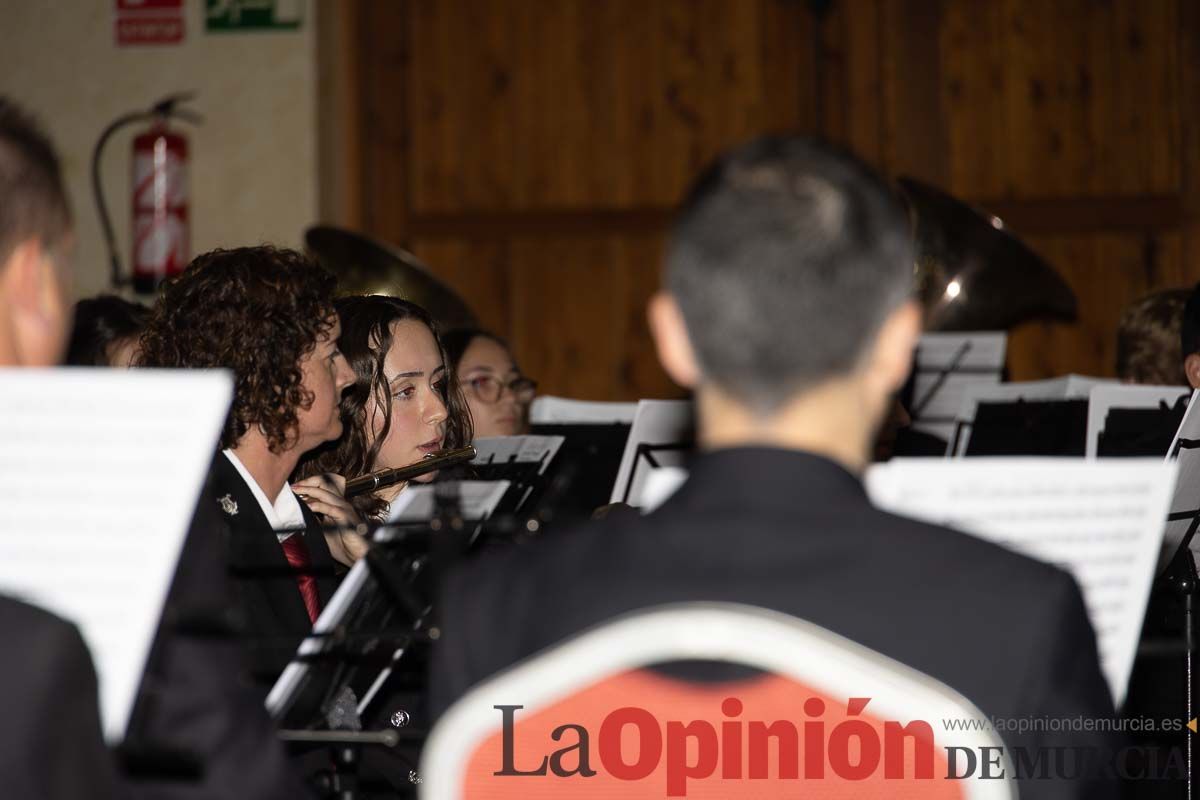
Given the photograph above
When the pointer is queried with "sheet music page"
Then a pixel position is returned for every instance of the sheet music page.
(477, 500)
(100, 472)
(1082, 385)
(1106, 396)
(970, 358)
(1102, 521)
(658, 422)
(1186, 498)
(518, 449)
(563, 411)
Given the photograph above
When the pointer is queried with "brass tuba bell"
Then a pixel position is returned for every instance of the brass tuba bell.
(366, 266)
(972, 274)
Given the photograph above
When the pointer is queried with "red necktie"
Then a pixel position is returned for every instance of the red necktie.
(296, 552)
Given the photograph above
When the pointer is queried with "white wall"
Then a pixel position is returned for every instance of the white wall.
(253, 164)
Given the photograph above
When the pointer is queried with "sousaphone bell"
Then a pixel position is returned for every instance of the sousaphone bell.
(366, 266)
(972, 274)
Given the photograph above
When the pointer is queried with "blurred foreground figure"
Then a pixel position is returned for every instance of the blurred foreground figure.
(51, 744)
(787, 310)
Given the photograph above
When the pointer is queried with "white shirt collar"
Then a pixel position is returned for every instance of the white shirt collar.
(284, 513)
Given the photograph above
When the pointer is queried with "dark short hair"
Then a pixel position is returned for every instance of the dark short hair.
(100, 322)
(33, 203)
(365, 341)
(786, 258)
(1148, 339)
(459, 339)
(1189, 328)
(256, 311)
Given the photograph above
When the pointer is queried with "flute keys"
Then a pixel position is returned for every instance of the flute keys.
(401, 719)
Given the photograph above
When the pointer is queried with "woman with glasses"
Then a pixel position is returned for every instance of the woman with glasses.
(404, 403)
(497, 393)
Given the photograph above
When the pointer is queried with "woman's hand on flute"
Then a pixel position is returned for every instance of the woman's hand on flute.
(325, 495)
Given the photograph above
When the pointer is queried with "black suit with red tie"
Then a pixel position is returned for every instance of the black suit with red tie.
(275, 616)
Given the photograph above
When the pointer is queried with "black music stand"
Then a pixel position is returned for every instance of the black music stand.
(528, 481)
(585, 468)
(1134, 432)
(1027, 428)
(1173, 597)
(378, 624)
(647, 452)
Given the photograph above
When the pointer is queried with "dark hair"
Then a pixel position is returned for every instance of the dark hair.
(1189, 327)
(1148, 339)
(100, 322)
(365, 341)
(256, 311)
(32, 200)
(786, 258)
(458, 340)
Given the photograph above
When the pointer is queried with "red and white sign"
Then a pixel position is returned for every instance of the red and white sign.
(140, 22)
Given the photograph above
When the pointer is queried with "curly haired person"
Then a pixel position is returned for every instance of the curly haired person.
(267, 315)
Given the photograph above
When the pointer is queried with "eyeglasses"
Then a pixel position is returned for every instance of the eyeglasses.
(489, 389)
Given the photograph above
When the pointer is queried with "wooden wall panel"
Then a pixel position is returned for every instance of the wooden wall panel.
(548, 142)
(532, 152)
(572, 104)
(1106, 271)
(573, 308)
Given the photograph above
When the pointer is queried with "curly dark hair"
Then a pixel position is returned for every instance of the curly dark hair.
(256, 311)
(365, 341)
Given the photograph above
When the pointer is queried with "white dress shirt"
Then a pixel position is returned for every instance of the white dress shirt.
(284, 513)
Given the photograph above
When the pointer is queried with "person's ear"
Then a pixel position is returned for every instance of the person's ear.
(671, 340)
(35, 295)
(1191, 367)
(891, 355)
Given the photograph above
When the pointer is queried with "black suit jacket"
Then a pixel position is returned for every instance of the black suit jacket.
(51, 744)
(270, 601)
(199, 729)
(794, 532)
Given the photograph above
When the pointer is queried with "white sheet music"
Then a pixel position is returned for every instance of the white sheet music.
(970, 358)
(563, 411)
(658, 422)
(1105, 397)
(100, 470)
(1100, 520)
(477, 500)
(518, 449)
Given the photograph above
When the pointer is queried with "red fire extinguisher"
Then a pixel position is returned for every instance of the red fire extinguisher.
(161, 240)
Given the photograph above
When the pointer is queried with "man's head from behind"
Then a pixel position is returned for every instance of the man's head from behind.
(35, 233)
(1189, 336)
(789, 275)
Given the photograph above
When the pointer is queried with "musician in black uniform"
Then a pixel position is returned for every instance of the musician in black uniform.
(51, 745)
(787, 309)
(267, 315)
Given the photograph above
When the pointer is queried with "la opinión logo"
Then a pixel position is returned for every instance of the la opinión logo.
(853, 749)
(698, 749)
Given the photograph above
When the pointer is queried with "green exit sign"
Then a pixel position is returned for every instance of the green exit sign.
(221, 16)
